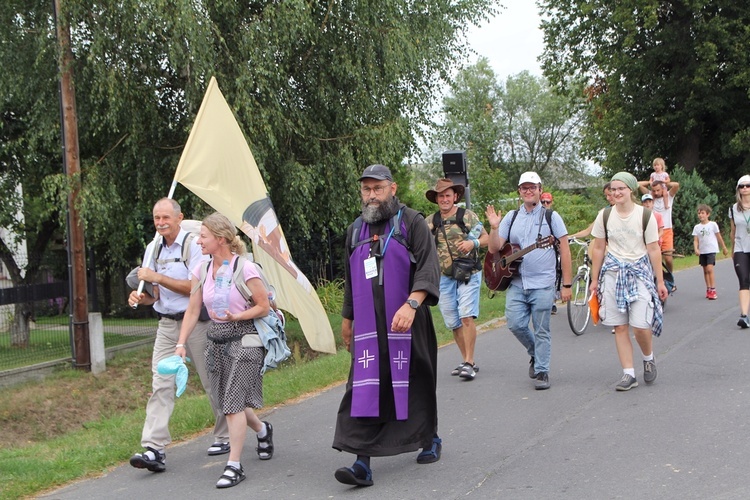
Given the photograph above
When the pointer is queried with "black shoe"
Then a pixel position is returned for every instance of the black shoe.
(532, 373)
(218, 448)
(542, 381)
(266, 452)
(554, 309)
(231, 477)
(358, 474)
(432, 454)
(468, 372)
(145, 461)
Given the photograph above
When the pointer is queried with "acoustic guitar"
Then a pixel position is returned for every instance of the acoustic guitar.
(502, 266)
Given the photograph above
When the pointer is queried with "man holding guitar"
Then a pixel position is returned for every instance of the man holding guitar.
(526, 233)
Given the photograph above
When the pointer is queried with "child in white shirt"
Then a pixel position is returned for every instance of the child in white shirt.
(706, 239)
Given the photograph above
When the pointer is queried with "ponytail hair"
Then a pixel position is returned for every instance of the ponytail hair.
(221, 227)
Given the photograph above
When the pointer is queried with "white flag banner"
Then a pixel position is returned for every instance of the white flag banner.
(218, 166)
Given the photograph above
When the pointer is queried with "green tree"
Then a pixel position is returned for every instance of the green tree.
(540, 128)
(509, 128)
(665, 78)
(320, 89)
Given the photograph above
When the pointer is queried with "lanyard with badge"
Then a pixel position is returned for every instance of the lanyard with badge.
(371, 263)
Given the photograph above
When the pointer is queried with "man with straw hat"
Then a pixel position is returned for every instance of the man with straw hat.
(458, 236)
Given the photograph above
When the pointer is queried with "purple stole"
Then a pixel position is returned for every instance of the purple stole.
(396, 267)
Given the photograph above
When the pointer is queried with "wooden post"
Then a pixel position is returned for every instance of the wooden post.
(71, 161)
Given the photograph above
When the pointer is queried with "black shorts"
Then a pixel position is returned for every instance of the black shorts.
(707, 259)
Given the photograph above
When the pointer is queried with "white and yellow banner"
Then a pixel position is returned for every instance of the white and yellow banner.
(218, 166)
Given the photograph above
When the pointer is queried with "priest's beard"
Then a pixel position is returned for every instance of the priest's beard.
(374, 212)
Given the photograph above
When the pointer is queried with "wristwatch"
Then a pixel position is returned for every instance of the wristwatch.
(568, 286)
(413, 303)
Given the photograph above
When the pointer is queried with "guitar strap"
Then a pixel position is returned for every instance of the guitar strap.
(546, 213)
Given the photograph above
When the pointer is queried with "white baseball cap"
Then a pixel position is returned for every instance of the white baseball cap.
(745, 179)
(529, 177)
(647, 196)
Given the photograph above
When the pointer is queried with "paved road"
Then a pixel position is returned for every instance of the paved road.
(686, 436)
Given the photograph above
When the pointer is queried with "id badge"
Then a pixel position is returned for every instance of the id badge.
(371, 268)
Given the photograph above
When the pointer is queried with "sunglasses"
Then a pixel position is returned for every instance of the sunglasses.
(546, 202)
(743, 186)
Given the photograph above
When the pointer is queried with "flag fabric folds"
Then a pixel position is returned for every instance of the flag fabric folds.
(218, 166)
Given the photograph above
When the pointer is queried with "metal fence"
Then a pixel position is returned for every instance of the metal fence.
(35, 325)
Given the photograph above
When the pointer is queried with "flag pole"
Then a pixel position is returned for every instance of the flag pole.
(157, 241)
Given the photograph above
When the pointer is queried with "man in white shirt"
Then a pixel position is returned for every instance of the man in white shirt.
(169, 273)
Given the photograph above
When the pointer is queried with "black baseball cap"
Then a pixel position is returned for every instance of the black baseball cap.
(378, 172)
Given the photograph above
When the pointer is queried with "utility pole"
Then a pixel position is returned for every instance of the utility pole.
(71, 161)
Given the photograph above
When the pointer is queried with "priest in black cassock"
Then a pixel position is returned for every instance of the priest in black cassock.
(392, 277)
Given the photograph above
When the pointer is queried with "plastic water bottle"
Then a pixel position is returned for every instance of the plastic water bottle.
(476, 231)
(221, 290)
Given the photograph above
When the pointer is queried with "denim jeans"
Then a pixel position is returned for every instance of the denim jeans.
(528, 313)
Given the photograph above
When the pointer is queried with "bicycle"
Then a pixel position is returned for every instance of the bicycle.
(579, 312)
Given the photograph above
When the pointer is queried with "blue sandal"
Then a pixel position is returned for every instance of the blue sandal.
(432, 454)
(358, 474)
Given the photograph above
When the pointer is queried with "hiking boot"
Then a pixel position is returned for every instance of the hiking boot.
(649, 371)
(743, 322)
(468, 372)
(711, 295)
(542, 381)
(532, 373)
(626, 383)
(150, 459)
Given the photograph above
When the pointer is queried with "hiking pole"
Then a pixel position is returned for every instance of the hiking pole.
(157, 241)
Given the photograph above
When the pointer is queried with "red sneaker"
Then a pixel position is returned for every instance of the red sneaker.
(711, 295)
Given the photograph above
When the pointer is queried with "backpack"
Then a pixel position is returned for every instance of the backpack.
(239, 283)
(132, 278)
(192, 227)
(605, 217)
(556, 246)
(437, 222)
(186, 241)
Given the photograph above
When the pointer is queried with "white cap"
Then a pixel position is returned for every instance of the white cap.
(647, 196)
(745, 179)
(531, 177)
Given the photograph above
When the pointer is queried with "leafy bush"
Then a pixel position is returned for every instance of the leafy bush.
(693, 191)
(331, 295)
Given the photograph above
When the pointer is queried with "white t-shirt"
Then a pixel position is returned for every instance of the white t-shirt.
(626, 233)
(741, 229)
(666, 215)
(706, 233)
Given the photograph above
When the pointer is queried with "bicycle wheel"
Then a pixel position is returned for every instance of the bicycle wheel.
(579, 313)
